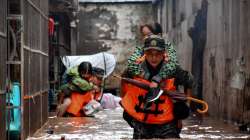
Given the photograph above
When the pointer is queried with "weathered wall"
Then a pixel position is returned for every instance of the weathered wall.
(113, 28)
(210, 37)
(227, 42)
(184, 25)
(35, 66)
(175, 23)
(3, 58)
(3, 50)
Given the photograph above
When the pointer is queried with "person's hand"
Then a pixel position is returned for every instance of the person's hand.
(166, 57)
(141, 59)
(153, 85)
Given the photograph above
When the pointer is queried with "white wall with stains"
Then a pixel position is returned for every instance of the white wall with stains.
(112, 27)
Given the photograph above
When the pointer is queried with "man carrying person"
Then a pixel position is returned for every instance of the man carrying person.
(150, 114)
(77, 81)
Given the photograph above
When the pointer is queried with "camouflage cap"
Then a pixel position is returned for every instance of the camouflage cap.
(154, 42)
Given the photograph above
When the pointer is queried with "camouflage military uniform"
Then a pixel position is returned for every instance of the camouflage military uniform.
(164, 70)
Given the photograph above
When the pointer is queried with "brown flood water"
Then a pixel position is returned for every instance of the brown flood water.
(109, 125)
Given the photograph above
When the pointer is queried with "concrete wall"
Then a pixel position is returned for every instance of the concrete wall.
(113, 28)
(3, 75)
(3, 72)
(3, 66)
(211, 36)
(228, 35)
(185, 26)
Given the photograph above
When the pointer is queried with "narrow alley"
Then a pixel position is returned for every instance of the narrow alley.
(124, 69)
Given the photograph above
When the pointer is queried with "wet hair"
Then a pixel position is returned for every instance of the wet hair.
(85, 67)
(155, 28)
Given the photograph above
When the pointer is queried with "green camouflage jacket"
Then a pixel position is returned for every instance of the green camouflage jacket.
(76, 83)
(167, 71)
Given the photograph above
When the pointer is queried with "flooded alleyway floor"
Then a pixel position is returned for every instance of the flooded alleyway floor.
(109, 125)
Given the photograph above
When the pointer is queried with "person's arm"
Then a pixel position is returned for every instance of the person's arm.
(133, 65)
(63, 91)
(60, 98)
(184, 78)
(82, 84)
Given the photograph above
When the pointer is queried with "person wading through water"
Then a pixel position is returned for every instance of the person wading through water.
(169, 70)
(157, 119)
(77, 80)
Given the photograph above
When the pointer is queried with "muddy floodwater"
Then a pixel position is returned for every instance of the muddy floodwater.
(109, 125)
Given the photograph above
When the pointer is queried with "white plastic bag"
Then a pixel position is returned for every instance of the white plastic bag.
(92, 107)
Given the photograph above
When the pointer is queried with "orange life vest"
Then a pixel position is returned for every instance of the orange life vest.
(79, 100)
(159, 112)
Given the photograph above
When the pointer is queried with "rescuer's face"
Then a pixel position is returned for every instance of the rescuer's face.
(154, 57)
